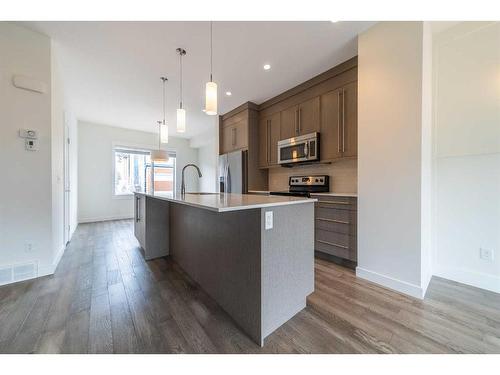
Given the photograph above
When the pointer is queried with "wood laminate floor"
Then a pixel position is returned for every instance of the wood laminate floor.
(104, 298)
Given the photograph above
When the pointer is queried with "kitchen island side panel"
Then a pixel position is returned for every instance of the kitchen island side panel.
(287, 263)
(221, 252)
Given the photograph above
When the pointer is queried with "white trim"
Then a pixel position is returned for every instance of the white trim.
(104, 218)
(51, 268)
(391, 283)
(476, 279)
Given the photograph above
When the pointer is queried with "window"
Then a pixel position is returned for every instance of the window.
(134, 171)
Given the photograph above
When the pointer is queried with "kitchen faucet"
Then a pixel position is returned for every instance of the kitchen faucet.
(183, 185)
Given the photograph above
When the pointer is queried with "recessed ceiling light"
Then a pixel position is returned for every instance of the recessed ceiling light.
(204, 110)
(229, 93)
(267, 67)
(334, 21)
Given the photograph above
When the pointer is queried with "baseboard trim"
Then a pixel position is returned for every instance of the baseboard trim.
(103, 218)
(475, 279)
(391, 283)
(50, 269)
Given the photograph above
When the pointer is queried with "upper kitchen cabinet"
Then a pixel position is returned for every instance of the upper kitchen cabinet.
(239, 130)
(326, 104)
(300, 119)
(339, 122)
(269, 135)
(308, 117)
(350, 119)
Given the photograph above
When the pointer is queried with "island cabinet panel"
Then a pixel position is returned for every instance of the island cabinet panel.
(335, 223)
(151, 220)
(269, 135)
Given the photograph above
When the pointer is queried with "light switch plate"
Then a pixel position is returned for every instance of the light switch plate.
(269, 220)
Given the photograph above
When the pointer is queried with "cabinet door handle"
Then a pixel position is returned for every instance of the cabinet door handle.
(332, 220)
(300, 120)
(296, 122)
(268, 150)
(333, 244)
(343, 120)
(137, 217)
(338, 121)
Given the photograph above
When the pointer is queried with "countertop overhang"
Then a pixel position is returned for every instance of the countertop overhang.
(225, 202)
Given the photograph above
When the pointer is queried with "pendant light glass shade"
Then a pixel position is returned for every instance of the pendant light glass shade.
(211, 87)
(159, 156)
(164, 133)
(211, 98)
(181, 120)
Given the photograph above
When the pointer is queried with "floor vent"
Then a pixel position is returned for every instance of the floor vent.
(19, 272)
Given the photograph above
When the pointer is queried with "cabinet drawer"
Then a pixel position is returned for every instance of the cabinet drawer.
(334, 250)
(341, 216)
(341, 240)
(333, 225)
(341, 203)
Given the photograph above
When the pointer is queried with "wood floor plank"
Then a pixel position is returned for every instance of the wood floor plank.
(105, 298)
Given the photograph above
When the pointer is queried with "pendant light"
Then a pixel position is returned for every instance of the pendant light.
(211, 87)
(161, 155)
(181, 112)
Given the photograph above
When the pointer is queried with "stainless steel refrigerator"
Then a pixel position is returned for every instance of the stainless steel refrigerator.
(233, 172)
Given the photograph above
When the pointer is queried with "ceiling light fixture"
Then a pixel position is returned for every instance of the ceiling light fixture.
(267, 67)
(161, 155)
(211, 87)
(229, 93)
(181, 112)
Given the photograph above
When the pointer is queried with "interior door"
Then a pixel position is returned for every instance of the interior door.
(309, 116)
(67, 184)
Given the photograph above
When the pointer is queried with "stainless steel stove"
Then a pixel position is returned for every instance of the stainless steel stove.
(303, 186)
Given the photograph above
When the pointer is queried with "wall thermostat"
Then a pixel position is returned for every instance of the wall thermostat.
(27, 133)
(31, 144)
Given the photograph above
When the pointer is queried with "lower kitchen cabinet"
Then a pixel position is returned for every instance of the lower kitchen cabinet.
(335, 227)
(151, 219)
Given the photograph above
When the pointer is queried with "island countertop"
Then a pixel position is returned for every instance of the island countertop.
(224, 202)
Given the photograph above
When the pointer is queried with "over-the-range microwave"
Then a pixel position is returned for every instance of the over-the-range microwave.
(299, 149)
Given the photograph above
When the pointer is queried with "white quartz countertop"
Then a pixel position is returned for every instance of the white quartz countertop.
(223, 202)
(332, 194)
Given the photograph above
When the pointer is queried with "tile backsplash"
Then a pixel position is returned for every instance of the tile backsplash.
(343, 175)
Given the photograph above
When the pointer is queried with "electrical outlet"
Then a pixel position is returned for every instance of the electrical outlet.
(486, 254)
(269, 220)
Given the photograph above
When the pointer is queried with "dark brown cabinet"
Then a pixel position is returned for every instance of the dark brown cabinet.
(234, 137)
(269, 135)
(289, 123)
(339, 123)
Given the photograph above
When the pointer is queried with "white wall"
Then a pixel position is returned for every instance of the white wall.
(207, 146)
(467, 153)
(95, 169)
(392, 128)
(25, 189)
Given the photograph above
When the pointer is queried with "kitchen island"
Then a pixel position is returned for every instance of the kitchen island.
(254, 255)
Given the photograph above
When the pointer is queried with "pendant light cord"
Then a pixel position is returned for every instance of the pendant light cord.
(164, 79)
(211, 51)
(180, 57)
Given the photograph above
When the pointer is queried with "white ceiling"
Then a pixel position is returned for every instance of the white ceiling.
(111, 70)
